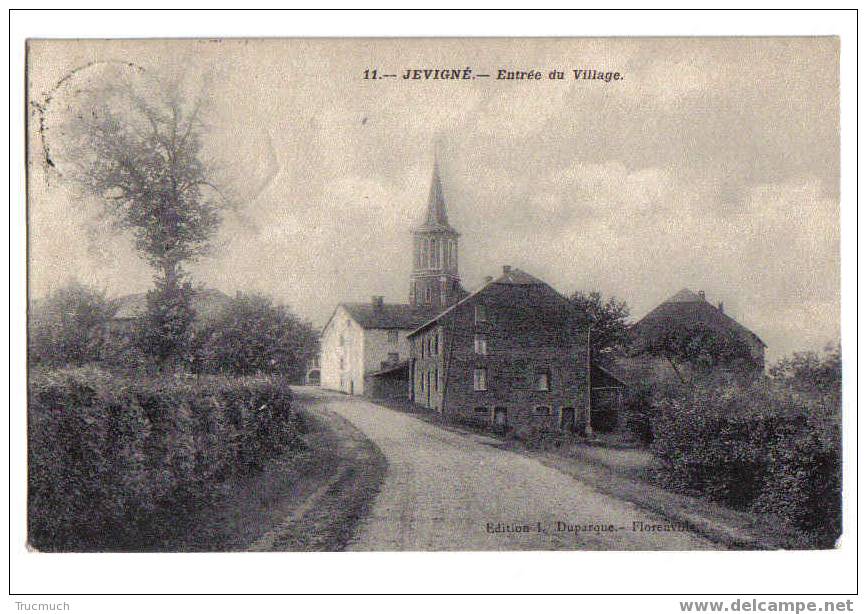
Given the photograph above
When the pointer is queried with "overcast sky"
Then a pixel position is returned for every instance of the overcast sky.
(714, 165)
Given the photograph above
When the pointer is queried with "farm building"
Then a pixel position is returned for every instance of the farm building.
(511, 353)
(688, 310)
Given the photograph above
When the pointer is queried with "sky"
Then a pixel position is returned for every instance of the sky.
(712, 165)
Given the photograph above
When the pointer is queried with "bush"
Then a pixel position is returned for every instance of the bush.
(811, 374)
(638, 413)
(253, 335)
(538, 436)
(759, 447)
(119, 464)
(68, 327)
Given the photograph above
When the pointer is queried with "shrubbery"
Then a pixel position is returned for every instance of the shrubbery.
(252, 334)
(638, 413)
(757, 446)
(68, 327)
(119, 464)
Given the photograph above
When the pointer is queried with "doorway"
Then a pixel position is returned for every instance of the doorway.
(567, 419)
(500, 417)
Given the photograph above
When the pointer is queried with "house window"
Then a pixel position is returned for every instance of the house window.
(393, 357)
(392, 336)
(481, 344)
(481, 313)
(436, 380)
(542, 411)
(480, 379)
(436, 343)
(481, 410)
(542, 380)
(427, 295)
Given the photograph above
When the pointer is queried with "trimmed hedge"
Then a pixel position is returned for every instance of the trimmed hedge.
(118, 463)
(755, 447)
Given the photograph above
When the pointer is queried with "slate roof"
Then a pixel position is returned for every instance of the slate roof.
(436, 218)
(517, 277)
(510, 276)
(388, 315)
(686, 308)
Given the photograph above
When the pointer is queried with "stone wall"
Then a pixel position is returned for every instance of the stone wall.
(530, 330)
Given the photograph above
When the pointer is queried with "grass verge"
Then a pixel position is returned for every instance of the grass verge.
(311, 501)
(722, 525)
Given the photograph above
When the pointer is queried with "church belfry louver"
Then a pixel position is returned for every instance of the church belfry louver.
(435, 281)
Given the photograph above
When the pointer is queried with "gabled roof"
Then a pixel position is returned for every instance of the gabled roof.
(517, 277)
(436, 218)
(686, 308)
(388, 315)
(510, 277)
(685, 296)
(206, 303)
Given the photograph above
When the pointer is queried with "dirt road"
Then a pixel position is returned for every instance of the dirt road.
(454, 491)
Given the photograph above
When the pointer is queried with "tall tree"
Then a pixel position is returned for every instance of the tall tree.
(139, 150)
(609, 331)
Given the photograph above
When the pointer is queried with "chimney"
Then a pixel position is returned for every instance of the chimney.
(507, 269)
(701, 294)
(488, 279)
(721, 310)
(376, 301)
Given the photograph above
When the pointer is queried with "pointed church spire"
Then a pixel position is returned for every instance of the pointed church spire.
(436, 217)
(436, 204)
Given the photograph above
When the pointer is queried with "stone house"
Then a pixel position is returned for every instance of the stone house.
(511, 353)
(362, 339)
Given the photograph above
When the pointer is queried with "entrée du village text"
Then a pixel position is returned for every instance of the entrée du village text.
(502, 74)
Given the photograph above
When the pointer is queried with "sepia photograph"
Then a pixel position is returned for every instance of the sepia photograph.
(433, 295)
(380, 304)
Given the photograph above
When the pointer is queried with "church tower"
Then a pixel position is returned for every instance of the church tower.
(435, 281)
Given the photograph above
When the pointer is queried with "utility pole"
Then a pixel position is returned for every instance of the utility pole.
(588, 427)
